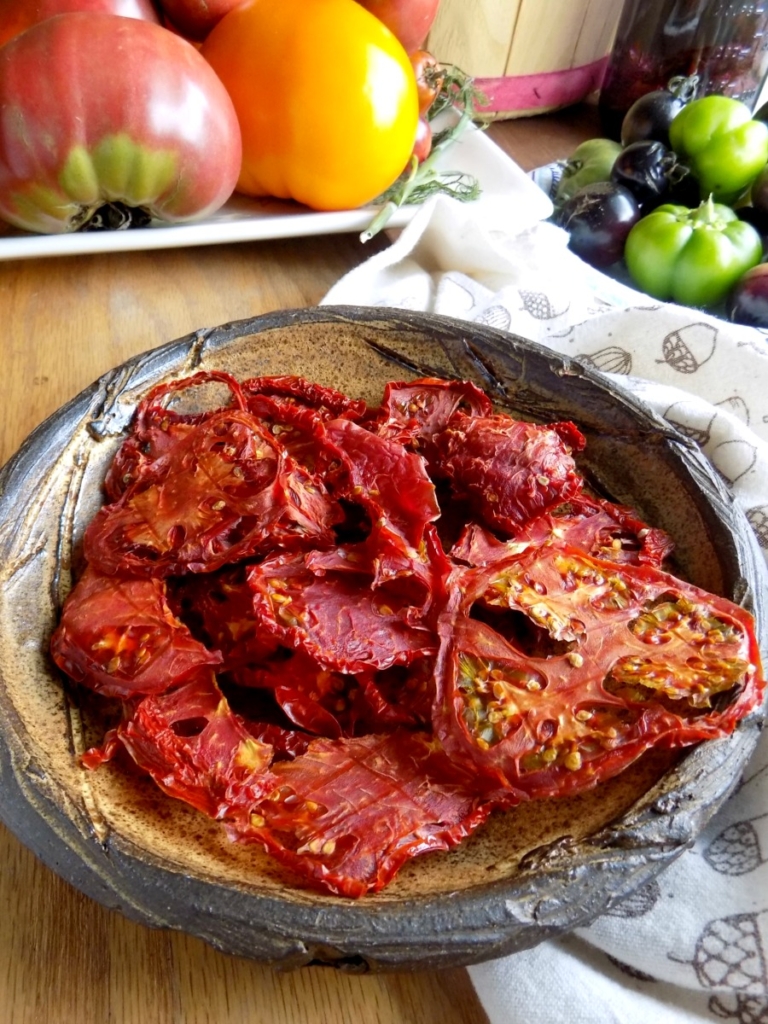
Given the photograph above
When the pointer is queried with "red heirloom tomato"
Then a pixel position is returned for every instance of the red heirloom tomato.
(18, 15)
(326, 98)
(196, 18)
(410, 20)
(99, 110)
(428, 78)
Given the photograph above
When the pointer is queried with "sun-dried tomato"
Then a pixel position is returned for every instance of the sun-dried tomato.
(413, 412)
(197, 750)
(556, 669)
(373, 696)
(225, 492)
(390, 483)
(348, 814)
(595, 526)
(155, 429)
(120, 638)
(337, 619)
(218, 607)
(510, 471)
(323, 702)
(328, 402)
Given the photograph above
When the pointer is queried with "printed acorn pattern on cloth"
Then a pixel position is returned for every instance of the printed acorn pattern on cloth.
(692, 945)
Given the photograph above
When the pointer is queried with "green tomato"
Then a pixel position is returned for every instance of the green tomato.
(693, 257)
(590, 162)
(724, 148)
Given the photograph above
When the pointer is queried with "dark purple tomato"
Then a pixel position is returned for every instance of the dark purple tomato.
(650, 116)
(649, 170)
(598, 219)
(748, 301)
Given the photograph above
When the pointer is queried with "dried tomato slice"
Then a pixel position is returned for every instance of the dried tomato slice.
(510, 471)
(155, 429)
(326, 819)
(399, 696)
(337, 619)
(299, 539)
(314, 698)
(120, 638)
(218, 608)
(226, 491)
(285, 743)
(334, 704)
(573, 666)
(197, 750)
(413, 412)
(328, 402)
(603, 529)
(594, 525)
(390, 483)
(299, 430)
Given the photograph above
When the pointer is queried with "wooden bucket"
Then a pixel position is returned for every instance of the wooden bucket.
(528, 56)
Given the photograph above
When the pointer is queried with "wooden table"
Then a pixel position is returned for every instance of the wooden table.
(65, 321)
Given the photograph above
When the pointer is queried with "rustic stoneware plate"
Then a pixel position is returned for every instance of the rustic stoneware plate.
(527, 875)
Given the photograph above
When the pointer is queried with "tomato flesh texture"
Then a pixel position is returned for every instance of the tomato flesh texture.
(509, 470)
(120, 638)
(631, 658)
(545, 664)
(338, 619)
(595, 526)
(226, 492)
(197, 750)
(414, 412)
(326, 821)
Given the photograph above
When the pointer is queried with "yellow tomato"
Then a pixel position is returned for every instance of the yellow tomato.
(326, 98)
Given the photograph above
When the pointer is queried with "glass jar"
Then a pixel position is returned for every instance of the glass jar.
(723, 42)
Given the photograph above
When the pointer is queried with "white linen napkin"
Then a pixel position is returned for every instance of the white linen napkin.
(691, 946)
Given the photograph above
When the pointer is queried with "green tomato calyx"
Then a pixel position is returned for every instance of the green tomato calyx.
(116, 183)
(711, 215)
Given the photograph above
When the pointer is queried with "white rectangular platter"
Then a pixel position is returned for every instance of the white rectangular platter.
(242, 219)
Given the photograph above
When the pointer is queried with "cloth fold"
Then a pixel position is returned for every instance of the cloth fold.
(693, 945)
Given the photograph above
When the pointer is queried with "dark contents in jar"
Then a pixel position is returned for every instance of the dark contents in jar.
(721, 41)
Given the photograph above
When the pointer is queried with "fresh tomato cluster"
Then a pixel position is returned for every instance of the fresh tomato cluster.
(351, 632)
(162, 110)
(682, 199)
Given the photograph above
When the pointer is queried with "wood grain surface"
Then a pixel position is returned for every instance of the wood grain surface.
(63, 958)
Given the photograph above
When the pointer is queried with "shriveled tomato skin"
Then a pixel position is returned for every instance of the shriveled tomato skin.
(326, 98)
(225, 492)
(18, 15)
(104, 109)
(195, 748)
(511, 471)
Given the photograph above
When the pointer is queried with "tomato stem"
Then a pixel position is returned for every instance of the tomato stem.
(683, 87)
(115, 217)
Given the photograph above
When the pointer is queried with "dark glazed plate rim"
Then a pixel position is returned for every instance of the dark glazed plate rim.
(559, 887)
